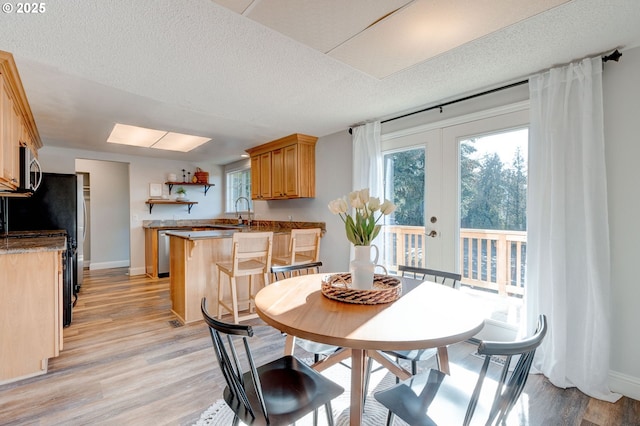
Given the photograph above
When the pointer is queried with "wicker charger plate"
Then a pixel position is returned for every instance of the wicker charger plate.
(385, 289)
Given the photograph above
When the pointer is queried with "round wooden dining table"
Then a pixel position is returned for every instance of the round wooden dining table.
(429, 316)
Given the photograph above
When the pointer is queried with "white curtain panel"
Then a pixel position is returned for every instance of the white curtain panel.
(367, 159)
(367, 164)
(568, 267)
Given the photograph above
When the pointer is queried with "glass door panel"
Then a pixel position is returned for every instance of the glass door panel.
(493, 193)
(403, 233)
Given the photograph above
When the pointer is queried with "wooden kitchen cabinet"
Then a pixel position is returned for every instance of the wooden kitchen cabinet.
(31, 320)
(151, 252)
(17, 127)
(261, 176)
(284, 168)
(10, 168)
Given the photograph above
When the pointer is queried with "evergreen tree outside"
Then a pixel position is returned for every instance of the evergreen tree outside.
(493, 190)
(404, 172)
(493, 195)
(516, 194)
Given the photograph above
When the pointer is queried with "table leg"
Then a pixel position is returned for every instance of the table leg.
(336, 357)
(289, 344)
(358, 366)
(443, 359)
(387, 363)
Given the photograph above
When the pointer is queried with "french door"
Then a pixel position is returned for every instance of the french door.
(459, 174)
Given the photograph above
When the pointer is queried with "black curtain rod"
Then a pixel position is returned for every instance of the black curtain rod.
(615, 56)
(466, 98)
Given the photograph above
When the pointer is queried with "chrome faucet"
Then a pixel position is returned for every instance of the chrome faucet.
(238, 216)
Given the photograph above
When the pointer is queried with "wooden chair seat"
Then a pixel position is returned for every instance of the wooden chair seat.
(248, 267)
(298, 259)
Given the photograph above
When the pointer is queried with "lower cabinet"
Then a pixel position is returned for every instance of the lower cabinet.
(151, 252)
(30, 313)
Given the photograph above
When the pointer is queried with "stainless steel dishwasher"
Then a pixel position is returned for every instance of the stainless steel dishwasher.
(163, 252)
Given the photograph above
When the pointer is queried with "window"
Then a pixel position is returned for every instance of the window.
(238, 185)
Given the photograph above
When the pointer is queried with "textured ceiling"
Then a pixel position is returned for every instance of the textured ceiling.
(198, 67)
(382, 38)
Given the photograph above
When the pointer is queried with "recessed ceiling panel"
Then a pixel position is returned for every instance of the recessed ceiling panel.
(321, 25)
(427, 28)
(238, 6)
(180, 142)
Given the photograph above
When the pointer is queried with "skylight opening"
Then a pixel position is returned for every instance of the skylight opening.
(124, 134)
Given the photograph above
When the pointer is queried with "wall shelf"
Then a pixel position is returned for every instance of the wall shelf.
(206, 185)
(189, 204)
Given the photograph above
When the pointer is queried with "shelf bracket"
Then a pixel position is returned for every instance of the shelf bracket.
(189, 208)
(150, 207)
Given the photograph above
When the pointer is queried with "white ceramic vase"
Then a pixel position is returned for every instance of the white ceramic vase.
(362, 267)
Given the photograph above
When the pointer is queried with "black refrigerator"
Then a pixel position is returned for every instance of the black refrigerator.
(56, 207)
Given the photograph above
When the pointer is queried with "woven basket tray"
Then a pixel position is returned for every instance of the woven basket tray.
(385, 289)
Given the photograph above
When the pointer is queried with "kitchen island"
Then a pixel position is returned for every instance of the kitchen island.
(31, 305)
(152, 235)
(193, 255)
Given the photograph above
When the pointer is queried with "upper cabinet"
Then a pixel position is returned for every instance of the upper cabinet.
(284, 168)
(17, 127)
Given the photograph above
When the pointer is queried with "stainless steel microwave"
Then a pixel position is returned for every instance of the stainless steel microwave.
(30, 171)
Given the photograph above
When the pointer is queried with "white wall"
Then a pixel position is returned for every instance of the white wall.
(621, 91)
(109, 189)
(142, 172)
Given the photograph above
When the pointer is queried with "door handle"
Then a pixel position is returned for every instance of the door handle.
(432, 234)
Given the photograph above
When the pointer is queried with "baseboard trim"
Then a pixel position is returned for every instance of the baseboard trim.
(626, 385)
(108, 265)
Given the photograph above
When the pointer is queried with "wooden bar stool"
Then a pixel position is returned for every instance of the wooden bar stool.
(251, 256)
(304, 247)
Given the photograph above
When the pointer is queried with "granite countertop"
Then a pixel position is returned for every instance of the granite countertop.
(28, 245)
(200, 235)
(225, 233)
(186, 224)
(224, 224)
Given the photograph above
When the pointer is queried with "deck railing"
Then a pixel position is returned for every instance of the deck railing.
(489, 259)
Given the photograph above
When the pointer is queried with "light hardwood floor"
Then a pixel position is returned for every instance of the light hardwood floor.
(125, 363)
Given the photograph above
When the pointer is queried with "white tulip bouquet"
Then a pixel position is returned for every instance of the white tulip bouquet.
(362, 228)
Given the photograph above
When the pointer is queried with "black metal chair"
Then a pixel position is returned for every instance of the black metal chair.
(450, 279)
(434, 398)
(277, 393)
(282, 272)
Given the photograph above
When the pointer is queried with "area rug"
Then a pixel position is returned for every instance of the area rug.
(219, 414)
